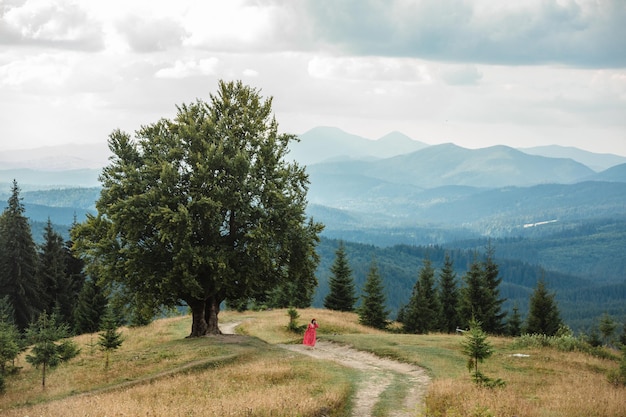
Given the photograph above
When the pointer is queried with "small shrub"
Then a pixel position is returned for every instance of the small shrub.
(293, 325)
(618, 376)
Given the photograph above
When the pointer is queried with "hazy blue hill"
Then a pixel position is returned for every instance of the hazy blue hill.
(82, 198)
(322, 144)
(29, 178)
(596, 161)
(449, 164)
(63, 216)
(616, 173)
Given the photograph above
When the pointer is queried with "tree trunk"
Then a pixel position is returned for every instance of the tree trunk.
(211, 310)
(198, 321)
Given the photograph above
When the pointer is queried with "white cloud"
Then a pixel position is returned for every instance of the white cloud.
(58, 24)
(190, 68)
(368, 68)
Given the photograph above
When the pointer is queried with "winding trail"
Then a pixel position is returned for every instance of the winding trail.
(377, 374)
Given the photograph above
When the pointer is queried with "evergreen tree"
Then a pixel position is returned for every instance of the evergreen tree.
(494, 316)
(90, 307)
(75, 273)
(18, 261)
(341, 282)
(514, 324)
(543, 315)
(473, 300)
(47, 351)
(423, 308)
(109, 339)
(52, 277)
(10, 340)
(477, 348)
(372, 311)
(448, 296)
(607, 327)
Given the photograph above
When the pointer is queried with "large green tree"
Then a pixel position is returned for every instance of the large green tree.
(202, 208)
(341, 296)
(18, 261)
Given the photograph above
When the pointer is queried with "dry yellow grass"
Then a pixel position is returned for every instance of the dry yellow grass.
(158, 372)
(261, 386)
(271, 326)
(547, 383)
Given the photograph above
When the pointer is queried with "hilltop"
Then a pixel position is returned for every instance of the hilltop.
(157, 371)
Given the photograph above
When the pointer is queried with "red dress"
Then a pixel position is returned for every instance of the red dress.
(310, 334)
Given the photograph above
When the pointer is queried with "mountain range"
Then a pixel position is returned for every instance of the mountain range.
(555, 209)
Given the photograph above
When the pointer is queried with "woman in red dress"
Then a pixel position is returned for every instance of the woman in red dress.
(310, 334)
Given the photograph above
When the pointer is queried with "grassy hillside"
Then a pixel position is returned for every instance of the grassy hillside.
(158, 372)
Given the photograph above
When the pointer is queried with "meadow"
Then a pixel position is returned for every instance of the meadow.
(159, 372)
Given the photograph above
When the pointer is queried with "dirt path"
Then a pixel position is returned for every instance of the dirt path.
(377, 373)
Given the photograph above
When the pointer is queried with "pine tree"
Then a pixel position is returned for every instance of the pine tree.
(477, 348)
(514, 324)
(52, 276)
(90, 307)
(372, 311)
(10, 338)
(75, 273)
(494, 316)
(18, 261)
(607, 327)
(543, 315)
(110, 339)
(448, 297)
(44, 335)
(421, 314)
(342, 292)
(473, 300)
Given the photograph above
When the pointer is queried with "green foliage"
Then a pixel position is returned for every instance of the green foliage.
(109, 339)
(54, 282)
(18, 261)
(607, 328)
(372, 311)
(618, 376)
(9, 345)
(564, 341)
(202, 208)
(477, 348)
(514, 323)
(448, 296)
(494, 316)
(293, 321)
(44, 335)
(342, 292)
(421, 313)
(90, 307)
(11, 342)
(543, 316)
(480, 296)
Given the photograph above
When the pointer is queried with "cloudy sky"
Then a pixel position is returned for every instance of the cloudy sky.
(476, 73)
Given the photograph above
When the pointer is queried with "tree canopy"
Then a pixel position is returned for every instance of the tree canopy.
(202, 208)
